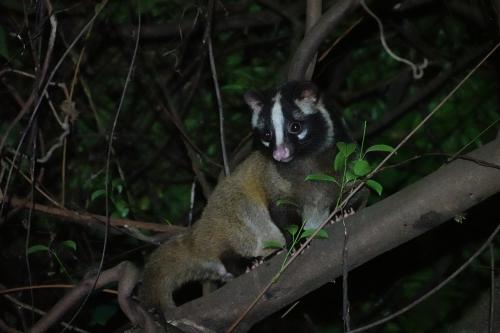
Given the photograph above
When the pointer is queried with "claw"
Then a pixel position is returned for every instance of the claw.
(227, 277)
(256, 263)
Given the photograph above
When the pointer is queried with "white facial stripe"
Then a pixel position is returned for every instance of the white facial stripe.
(329, 123)
(302, 134)
(265, 143)
(305, 106)
(278, 120)
(255, 119)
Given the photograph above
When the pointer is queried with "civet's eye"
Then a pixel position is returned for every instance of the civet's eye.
(267, 136)
(294, 128)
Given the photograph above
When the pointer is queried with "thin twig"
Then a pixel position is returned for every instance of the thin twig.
(433, 290)
(49, 286)
(191, 148)
(174, 115)
(30, 181)
(289, 309)
(342, 36)
(216, 87)
(30, 214)
(108, 159)
(345, 274)
(40, 77)
(86, 218)
(451, 157)
(42, 313)
(418, 70)
(492, 288)
(34, 133)
(40, 98)
(475, 138)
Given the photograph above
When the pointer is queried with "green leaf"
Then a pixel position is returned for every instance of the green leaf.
(341, 146)
(272, 245)
(233, 88)
(69, 244)
(346, 149)
(291, 228)
(283, 202)
(384, 148)
(117, 185)
(374, 185)
(361, 168)
(97, 194)
(349, 176)
(322, 234)
(37, 248)
(122, 208)
(339, 162)
(322, 177)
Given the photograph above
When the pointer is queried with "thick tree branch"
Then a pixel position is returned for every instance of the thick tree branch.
(395, 220)
(314, 37)
(313, 13)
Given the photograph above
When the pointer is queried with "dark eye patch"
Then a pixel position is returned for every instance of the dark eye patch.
(267, 135)
(295, 127)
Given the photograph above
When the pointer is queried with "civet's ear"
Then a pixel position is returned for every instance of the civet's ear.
(254, 101)
(308, 92)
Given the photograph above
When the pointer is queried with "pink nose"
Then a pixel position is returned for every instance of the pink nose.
(281, 153)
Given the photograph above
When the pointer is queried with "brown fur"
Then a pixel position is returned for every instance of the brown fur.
(236, 220)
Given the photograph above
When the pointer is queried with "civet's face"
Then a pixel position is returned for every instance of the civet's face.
(292, 121)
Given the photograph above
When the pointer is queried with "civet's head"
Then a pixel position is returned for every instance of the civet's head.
(292, 121)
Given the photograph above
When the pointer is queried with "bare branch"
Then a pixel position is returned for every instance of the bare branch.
(313, 13)
(88, 219)
(208, 40)
(125, 273)
(311, 42)
(36, 310)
